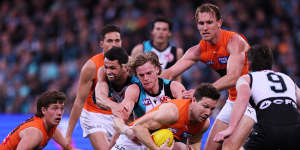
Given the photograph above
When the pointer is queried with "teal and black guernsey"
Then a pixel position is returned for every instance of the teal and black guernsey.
(167, 57)
(148, 101)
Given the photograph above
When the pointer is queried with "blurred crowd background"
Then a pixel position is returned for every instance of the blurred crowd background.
(44, 43)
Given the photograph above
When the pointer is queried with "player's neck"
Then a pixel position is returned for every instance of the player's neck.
(216, 39)
(119, 84)
(155, 89)
(160, 46)
(190, 116)
(46, 125)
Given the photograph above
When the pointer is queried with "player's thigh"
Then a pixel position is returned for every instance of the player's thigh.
(217, 127)
(99, 140)
(239, 136)
(124, 143)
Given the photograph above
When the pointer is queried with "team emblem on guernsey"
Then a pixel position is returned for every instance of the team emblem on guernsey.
(169, 57)
(146, 101)
(223, 60)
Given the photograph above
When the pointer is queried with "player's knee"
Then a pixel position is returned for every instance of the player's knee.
(229, 144)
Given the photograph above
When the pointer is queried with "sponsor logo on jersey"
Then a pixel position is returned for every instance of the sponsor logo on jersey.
(223, 60)
(266, 103)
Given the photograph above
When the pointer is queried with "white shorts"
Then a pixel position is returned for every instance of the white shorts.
(96, 122)
(124, 143)
(224, 114)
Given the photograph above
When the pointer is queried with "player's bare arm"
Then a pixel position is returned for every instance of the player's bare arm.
(177, 89)
(132, 94)
(136, 50)
(186, 61)
(237, 47)
(239, 107)
(153, 121)
(87, 74)
(101, 93)
(30, 138)
(58, 138)
(298, 95)
(195, 141)
(179, 54)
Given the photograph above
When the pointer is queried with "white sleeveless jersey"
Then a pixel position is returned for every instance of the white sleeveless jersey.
(273, 96)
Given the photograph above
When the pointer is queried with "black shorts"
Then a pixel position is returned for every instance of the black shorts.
(274, 138)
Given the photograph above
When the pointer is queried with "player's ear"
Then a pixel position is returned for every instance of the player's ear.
(101, 44)
(194, 99)
(220, 21)
(44, 109)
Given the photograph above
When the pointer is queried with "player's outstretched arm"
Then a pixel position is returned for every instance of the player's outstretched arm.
(30, 138)
(190, 57)
(131, 97)
(298, 95)
(87, 74)
(239, 107)
(101, 93)
(166, 114)
(237, 47)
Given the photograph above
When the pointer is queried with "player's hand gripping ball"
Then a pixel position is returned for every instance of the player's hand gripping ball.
(161, 136)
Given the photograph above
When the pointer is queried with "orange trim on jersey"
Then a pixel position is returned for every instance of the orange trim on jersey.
(216, 56)
(12, 140)
(183, 124)
(89, 104)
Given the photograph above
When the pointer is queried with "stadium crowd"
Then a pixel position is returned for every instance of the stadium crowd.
(44, 43)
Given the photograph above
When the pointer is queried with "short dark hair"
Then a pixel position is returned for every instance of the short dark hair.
(162, 19)
(117, 53)
(107, 29)
(260, 57)
(142, 59)
(206, 90)
(209, 8)
(48, 98)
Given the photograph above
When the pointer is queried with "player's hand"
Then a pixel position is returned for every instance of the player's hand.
(188, 94)
(165, 145)
(68, 139)
(221, 136)
(117, 110)
(119, 124)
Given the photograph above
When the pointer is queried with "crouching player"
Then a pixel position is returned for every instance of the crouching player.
(187, 119)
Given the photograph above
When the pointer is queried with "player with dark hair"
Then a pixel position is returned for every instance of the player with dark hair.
(35, 132)
(159, 44)
(276, 99)
(186, 118)
(84, 106)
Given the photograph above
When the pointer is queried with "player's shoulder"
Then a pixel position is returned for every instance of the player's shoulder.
(137, 49)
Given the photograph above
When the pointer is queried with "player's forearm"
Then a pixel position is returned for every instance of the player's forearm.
(74, 116)
(225, 82)
(105, 102)
(239, 107)
(144, 136)
(58, 138)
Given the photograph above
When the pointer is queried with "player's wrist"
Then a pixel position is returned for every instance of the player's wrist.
(124, 129)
